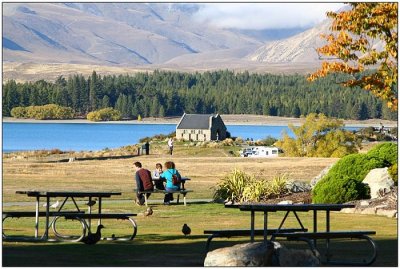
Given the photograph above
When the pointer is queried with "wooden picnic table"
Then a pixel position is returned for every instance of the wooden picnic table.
(75, 214)
(294, 208)
(304, 234)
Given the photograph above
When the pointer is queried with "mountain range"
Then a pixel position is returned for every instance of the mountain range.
(146, 36)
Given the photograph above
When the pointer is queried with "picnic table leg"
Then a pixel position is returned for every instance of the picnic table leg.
(184, 199)
(99, 222)
(177, 199)
(46, 231)
(265, 225)
(315, 228)
(327, 229)
(252, 226)
(37, 217)
(90, 212)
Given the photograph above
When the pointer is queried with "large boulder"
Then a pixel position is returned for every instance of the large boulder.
(298, 186)
(315, 180)
(379, 182)
(261, 254)
(248, 254)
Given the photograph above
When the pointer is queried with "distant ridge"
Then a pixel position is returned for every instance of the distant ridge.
(45, 40)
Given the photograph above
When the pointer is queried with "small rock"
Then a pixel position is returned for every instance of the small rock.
(315, 180)
(287, 202)
(387, 213)
(348, 210)
(298, 186)
(368, 211)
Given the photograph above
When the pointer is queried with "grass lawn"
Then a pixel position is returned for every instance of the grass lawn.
(159, 241)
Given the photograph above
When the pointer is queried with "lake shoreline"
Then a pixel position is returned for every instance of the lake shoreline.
(228, 119)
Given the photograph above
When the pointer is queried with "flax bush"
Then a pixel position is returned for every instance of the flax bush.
(255, 191)
(232, 186)
(278, 185)
(241, 187)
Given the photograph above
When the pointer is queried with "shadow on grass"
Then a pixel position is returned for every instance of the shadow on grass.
(135, 253)
(150, 250)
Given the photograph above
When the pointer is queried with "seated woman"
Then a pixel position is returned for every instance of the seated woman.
(156, 175)
(170, 175)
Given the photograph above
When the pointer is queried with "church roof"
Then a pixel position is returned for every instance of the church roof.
(196, 121)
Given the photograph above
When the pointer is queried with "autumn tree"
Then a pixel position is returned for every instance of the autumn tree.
(319, 136)
(104, 114)
(364, 37)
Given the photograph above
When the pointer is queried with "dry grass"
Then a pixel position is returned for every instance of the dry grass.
(118, 174)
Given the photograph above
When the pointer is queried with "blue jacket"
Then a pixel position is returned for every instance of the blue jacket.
(167, 174)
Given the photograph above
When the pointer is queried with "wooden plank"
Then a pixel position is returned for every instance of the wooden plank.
(100, 216)
(325, 235)
(293, 207)
(246, 232)
(164, 191)
(18, 214)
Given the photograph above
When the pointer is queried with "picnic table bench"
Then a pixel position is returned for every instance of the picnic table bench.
(244, 232)
(183, 192)
(309, 237)
(121, 216)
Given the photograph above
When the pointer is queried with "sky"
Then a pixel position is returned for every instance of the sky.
(258, 16)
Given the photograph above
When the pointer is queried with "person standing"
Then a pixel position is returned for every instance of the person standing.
(143, 182)
(171, 145)
(170, 174)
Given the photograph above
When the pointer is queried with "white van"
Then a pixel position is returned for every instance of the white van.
(261, 151)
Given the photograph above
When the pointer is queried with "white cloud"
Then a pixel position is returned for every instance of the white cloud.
(264, 15)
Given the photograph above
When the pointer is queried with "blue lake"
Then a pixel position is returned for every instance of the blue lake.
(86, 136)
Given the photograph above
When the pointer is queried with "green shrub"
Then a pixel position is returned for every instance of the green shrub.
(386, 151)
(394, 173)
(339, 191)
(343, 183)
(268, 141)
(228, 142)
(239, 140)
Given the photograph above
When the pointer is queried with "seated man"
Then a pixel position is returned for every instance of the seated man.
(143, 182)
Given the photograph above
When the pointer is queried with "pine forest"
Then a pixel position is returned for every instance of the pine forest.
(164, 93)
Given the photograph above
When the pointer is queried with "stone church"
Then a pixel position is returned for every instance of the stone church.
(201, 127)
